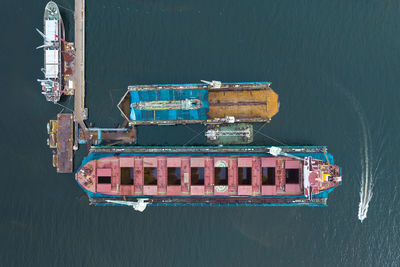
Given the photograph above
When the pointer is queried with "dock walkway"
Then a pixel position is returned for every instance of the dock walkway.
(70, 130)
(80, 112)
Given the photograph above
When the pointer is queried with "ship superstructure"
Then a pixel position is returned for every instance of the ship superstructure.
(236, 175)
(53, 35)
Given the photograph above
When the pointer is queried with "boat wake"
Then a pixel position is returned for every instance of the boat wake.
(367, 182)
(366, 174)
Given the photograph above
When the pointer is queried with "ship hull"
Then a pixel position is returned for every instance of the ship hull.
(225, 103)
(214, 201)
(231, 176)
(52, 85)
(229, 134)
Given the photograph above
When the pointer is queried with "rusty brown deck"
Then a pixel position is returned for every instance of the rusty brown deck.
(243, 104)
(69, 67)
(64, 143)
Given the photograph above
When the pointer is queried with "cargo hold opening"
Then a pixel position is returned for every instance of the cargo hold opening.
(104, 179)
(174, 176)
(127, 176)
(197, 176)
(268, 176)
(244, 175)
(292, 176)
(221, 175)
(150, 176)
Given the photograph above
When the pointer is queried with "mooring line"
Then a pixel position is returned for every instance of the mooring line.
(262, 126)
(66, 8)
(191, 129)
(65, 107)
(193, 138)
(276, 140)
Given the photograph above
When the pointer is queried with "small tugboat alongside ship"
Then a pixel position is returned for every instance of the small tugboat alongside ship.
(52, 84)
(229, 134)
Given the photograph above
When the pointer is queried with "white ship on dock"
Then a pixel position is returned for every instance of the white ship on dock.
(52, 45)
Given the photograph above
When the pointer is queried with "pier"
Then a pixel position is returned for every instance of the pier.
(211, 103)
(80, 112)
(70, 130)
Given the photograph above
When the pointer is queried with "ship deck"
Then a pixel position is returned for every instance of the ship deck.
(69, 67)
(246, 102)
(194, 176)
(243, 104)
(203, 171)
(64, 143)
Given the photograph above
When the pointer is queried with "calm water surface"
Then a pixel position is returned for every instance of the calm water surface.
(335, 66)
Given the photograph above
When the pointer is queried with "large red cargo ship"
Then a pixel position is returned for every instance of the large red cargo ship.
(237, 175)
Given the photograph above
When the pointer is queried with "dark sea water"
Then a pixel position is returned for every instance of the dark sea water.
(335, 66)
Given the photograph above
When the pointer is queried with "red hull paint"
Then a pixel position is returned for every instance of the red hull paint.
(104, 176)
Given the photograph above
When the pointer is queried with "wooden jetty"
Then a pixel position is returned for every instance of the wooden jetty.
(69, 130)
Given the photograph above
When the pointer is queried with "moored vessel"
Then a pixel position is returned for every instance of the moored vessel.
(229, 134)
(208, 175)
(207, 103)
(52, 83)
